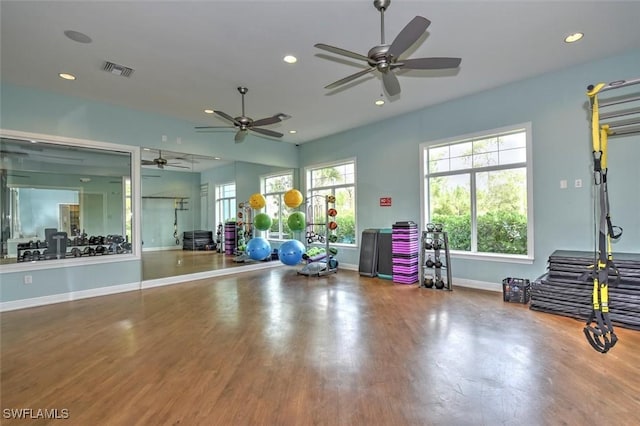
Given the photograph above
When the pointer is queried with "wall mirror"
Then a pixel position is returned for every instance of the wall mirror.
(60, 201)
(186, 195)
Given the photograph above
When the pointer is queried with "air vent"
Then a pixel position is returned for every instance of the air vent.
(116, 69)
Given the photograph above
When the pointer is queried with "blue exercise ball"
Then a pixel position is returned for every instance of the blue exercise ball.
(290, 252)
(258, 248)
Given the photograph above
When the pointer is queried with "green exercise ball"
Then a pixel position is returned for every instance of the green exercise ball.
(297, 221)
(262, 221)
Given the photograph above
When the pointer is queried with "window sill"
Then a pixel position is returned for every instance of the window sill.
(506, 258)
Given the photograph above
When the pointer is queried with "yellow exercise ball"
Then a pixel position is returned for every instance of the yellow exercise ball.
(293, 198)
(257, 201)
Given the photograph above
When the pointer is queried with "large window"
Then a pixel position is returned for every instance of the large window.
(339, 180)
(273, 188)
(479, 188)
(225, 202)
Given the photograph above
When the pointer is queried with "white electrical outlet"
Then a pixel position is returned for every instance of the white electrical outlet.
(563, 184)
(578, 183)
(28, 279)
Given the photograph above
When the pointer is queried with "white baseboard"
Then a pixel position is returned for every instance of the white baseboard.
(67, 297)
(209, 274)
(480, 285)
(162, 248)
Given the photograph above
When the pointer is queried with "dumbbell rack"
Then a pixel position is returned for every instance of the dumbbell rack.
(435, 252)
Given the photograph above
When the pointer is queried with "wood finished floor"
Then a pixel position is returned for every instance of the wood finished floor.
(169, 263)
(272, 347)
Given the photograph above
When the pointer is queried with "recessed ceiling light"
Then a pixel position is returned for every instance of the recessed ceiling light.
(208, 111)
(216, 158)
(572, 38)
(77, 36)
(293, 132)
(290, 59)
(379, 102)
(67, 76)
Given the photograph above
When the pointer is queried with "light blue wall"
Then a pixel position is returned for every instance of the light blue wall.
(36, 111)
(387, 159)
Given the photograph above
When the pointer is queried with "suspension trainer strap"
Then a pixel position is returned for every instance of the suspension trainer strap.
(175, 225)
(598, 328)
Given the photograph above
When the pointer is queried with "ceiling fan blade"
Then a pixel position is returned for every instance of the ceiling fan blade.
(267, 132)
(391, 83)
(430, 63)
(212, 127)
(267, 121)
(409, 35)
(178, 166)
(227, 117)
(147, 162)
(339, 51)
(240, 135)
(348, 78)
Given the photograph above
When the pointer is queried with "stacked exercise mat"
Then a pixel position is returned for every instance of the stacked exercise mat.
(405, 243)
(566, 290)
(230, 238)
(198, 240)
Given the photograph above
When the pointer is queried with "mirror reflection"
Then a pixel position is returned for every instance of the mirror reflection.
(191, 219)
(59, 201)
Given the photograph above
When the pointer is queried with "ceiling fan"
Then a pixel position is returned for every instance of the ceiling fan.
(386, 57)
(244, 123)
(161, 162)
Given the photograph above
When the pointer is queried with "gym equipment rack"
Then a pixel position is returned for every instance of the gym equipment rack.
(328, 265)
(435, 241)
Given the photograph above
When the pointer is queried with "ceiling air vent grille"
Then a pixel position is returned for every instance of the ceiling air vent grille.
(116, 69)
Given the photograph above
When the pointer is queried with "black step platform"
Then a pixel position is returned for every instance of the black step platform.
(566, 289)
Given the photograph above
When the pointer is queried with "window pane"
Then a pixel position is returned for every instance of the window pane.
(450, 204)
(485, 145)
(510, 156)
(502, 211)
(461, 149)
(484, 160)
(438, 153)
(515, 140)
(436, 166)
(461, 163)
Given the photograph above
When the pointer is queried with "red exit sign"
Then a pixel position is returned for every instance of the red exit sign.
(385, 201)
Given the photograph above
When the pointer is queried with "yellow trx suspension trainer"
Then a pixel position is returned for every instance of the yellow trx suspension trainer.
(599, 329)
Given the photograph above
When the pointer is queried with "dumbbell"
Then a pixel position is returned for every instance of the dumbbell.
(431, 227)
(437, 263)
(438, 227)
(439, 283)
(437, 244)
(75, 252)
(26, 256)
(428, 244)
(430, 263)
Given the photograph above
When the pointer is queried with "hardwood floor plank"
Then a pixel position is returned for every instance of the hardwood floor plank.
(272, 347)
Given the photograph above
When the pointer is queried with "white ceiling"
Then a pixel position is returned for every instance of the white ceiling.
(192, 55)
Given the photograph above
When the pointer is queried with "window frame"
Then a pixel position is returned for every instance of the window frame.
(219, 211)
(528, 165)
(308, 189)
(263, 191)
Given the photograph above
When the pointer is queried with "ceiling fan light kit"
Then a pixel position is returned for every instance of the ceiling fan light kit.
(385, 58)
